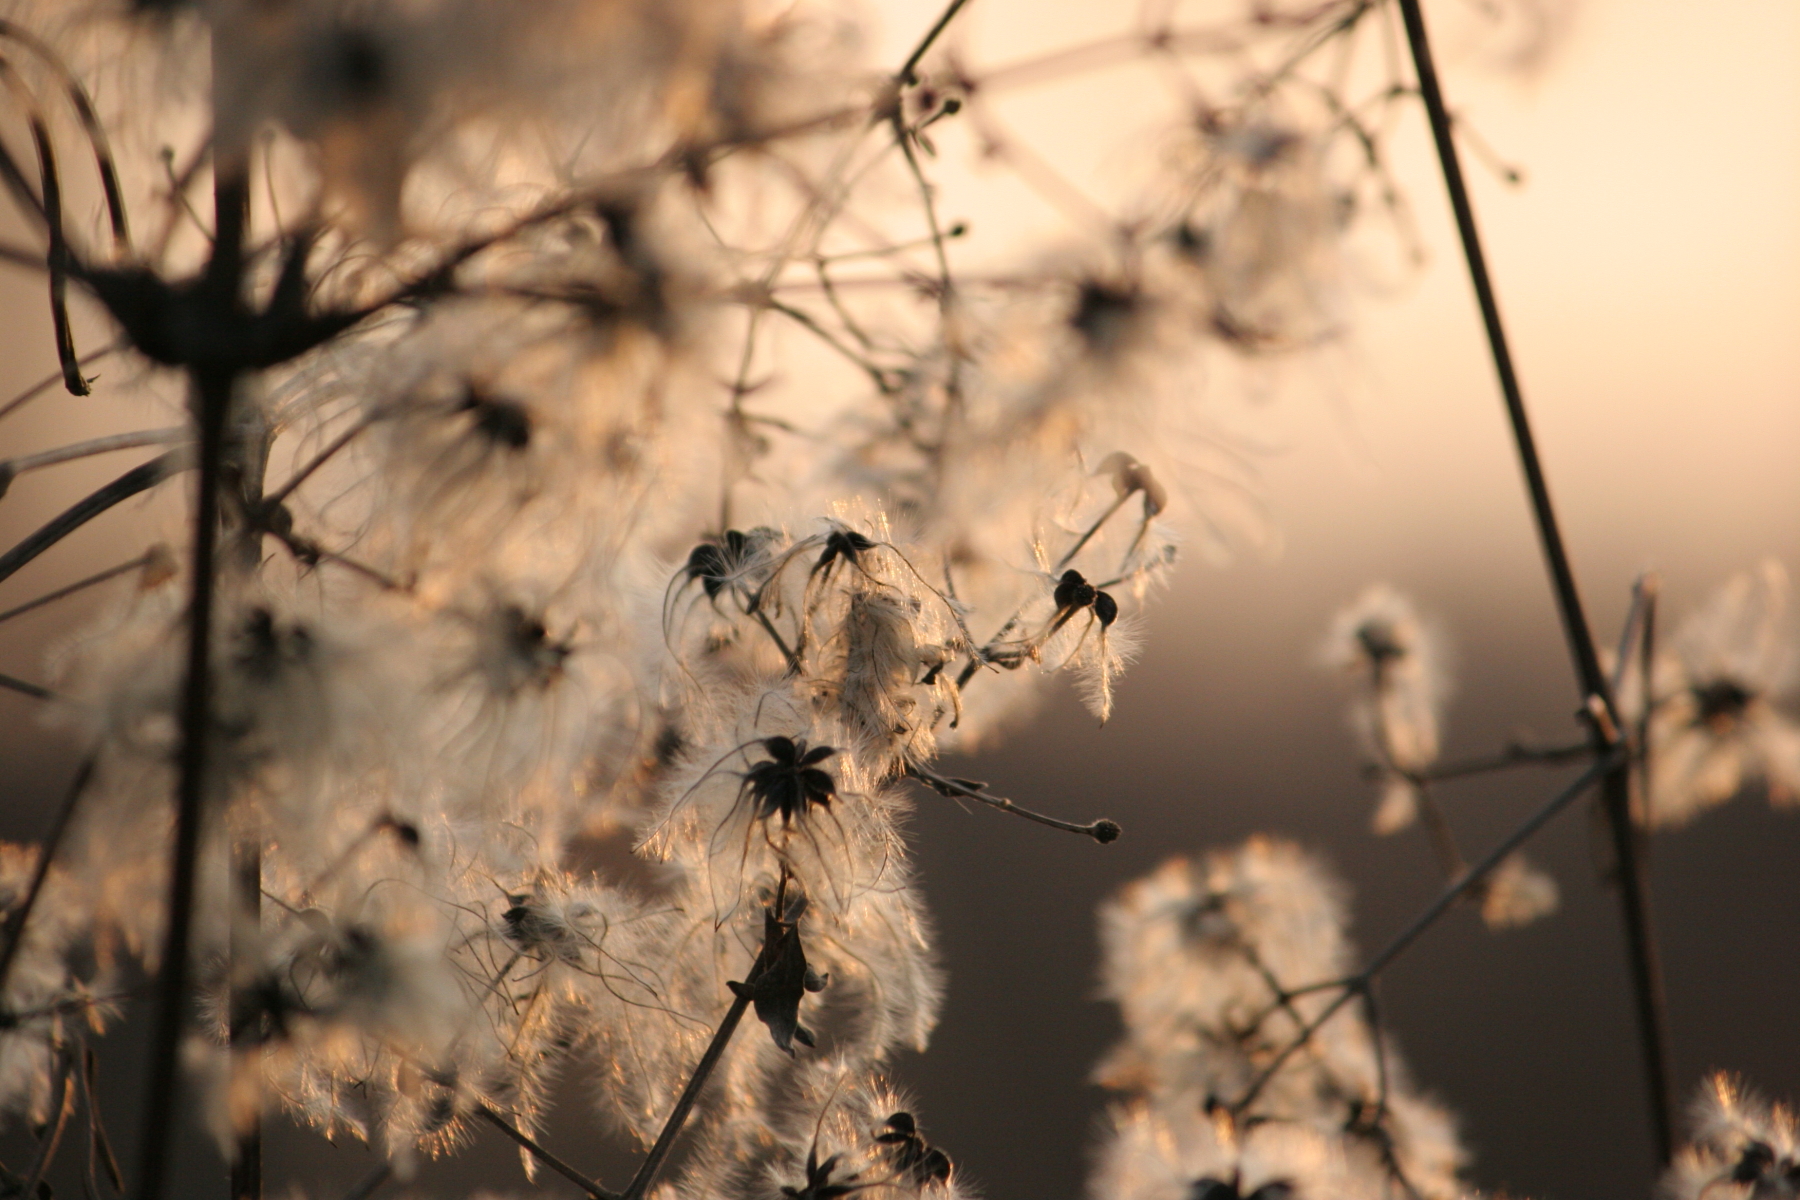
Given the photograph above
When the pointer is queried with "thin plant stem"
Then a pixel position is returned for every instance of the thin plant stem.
(100, 445)
(488, 1114)
(980, 655)
(1647, 588)
(1101, 831)
(57, 256)
(14, 931)
(90, 124)
(212, 399)
(212, 388)
(247, 1060)
(318, 460)
(62, 1103)
(371, 1183)
(1568, 598)
(665, 1140)
(49, 381)
(792, 656)
(1513, 755)
(1646, 973)
(1628, 639)
(1356, 984)
(905, 74)
(773, 941)
(78, 586)
(100, 1146)
(138, 479)
(20, 257)
(25, 688)
(1443, 838)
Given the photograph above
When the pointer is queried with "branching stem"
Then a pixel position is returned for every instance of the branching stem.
(1355, 985)
(212, 388)
(665, 1140)
(1634, 898)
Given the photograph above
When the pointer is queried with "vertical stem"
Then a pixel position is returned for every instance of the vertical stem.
(212, 395)
(1648, 587)
(1615, 787)
(243, 459)
(246, 1063)
(212, 384)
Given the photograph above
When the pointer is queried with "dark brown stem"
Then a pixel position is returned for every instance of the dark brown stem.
(793, 658)
(1101, 831)
(905, 74)
(1647, 591)
(542, 1155)
(1513, 756)
(665, 1140)
(212, 402)
(1443, 838)
(371, 1183)
(99, 1145)
(246, 1061)
(1634, 899)
(136, 480)
(62, 1103)
(35, 691)
(212, 387)
(49, 381)
(70, 589)
(14, 931)
(1358, 983)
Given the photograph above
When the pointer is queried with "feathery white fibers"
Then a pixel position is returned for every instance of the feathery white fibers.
(831, 1123)
(1156, 1155)
(1743, 1146)
(1259, 226)
(1394, 662)
(1204, 959)
(1517, 893)
(1714, 728)
(46, 995)
(441, 653)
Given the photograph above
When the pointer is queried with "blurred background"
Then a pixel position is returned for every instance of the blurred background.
(1649, 271)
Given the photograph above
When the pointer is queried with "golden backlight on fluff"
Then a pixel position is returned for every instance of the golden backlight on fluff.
(626, 475)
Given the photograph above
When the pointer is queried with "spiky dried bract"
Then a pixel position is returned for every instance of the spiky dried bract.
(1394, 664)
(1217, 967)
(832, 1130)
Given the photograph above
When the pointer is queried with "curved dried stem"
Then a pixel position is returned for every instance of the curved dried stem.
(1102, 830)
(136, 480)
